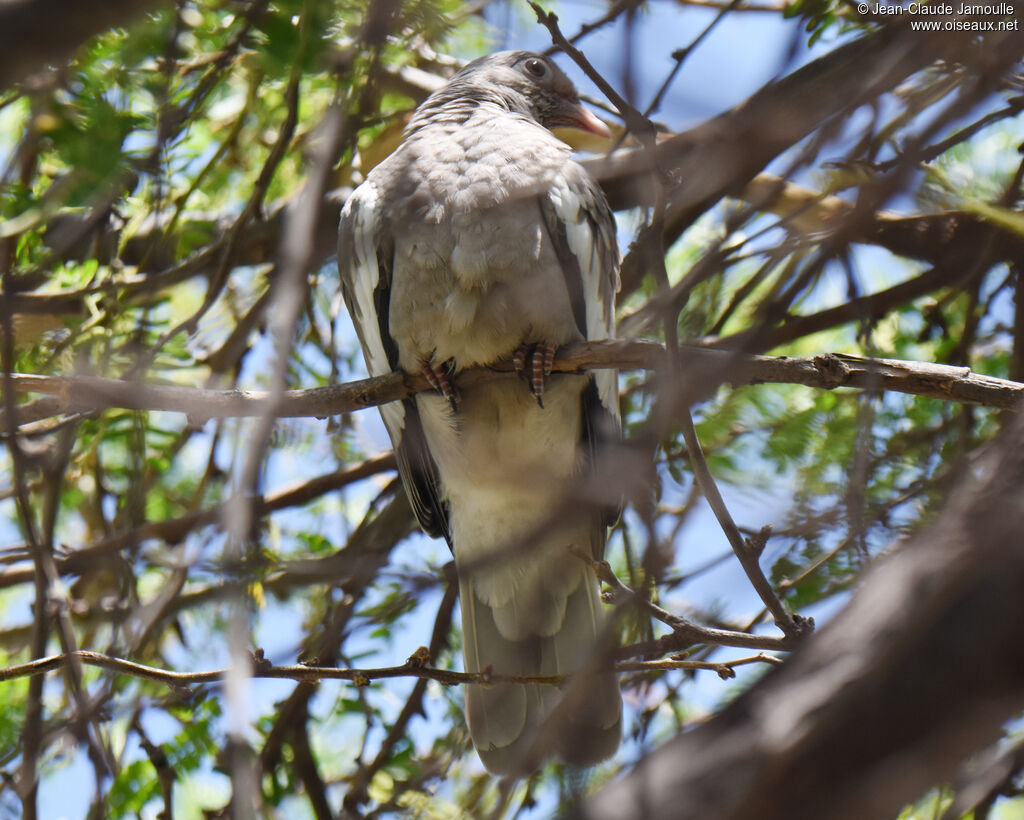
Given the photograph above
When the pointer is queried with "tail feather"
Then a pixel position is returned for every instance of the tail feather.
(514, 726)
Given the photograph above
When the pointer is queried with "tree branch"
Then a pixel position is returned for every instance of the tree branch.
(728, 151)
(414, 667)
(86, 394)
(922, 668)
(174, 530)
(745, 550)
(34, 33)
(685, 633)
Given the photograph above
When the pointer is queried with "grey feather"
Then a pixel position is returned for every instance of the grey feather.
(480, 234)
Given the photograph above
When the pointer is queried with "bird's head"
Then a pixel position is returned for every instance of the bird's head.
(525, 83)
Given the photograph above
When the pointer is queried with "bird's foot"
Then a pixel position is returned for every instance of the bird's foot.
(440, 378)
(534, 363)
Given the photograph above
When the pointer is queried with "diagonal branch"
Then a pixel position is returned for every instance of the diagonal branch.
(728, 151)
(922, 668)
(685, 633)
(746, 550)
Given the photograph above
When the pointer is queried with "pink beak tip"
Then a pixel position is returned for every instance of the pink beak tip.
(586, 120)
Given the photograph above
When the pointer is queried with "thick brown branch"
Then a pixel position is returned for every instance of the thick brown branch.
(81, 394)
(922, 668)
(950, 238)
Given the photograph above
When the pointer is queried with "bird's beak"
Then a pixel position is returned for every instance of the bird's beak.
(582, 118)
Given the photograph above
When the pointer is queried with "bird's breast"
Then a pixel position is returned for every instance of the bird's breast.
(475, 273)
(498, 245)
(476, 286)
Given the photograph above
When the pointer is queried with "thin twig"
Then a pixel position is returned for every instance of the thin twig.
(685, 633)
(680, 55)
(413, 705)
(414, 667)
(616, 10)
(636, 122)
(745, 549)
(174, 530)
(723, 668)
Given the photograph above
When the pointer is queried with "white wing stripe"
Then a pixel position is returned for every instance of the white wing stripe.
(593, 255)
(361, 213)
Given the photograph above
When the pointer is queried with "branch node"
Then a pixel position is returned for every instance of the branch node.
(419, 659)
(804, 625)
(196, 421)
(833, 370)
(756, 543)
(260, 663)
(602, 569)
(687, 636)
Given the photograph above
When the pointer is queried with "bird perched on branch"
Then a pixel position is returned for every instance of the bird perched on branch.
(480, 239)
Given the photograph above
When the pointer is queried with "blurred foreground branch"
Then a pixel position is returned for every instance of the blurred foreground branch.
(174, 530)
(921, 669)
(38, 32)
(722, 156)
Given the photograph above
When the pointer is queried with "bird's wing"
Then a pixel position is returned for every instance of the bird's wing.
(365, 263)
(582, 229)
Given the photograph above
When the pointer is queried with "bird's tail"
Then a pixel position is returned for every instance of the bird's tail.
(514, 726)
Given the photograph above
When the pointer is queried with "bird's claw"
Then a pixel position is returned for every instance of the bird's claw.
(534, 362)
(439, 377)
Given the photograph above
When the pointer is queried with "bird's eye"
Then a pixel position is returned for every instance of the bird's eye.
(536, 68)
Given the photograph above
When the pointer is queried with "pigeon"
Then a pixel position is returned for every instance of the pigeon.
(480, 239)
